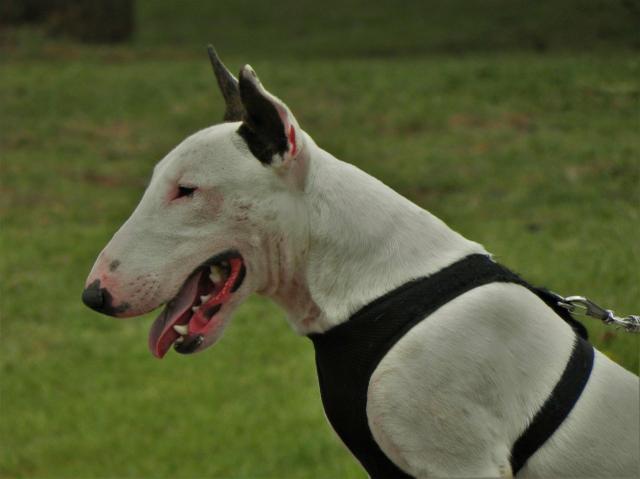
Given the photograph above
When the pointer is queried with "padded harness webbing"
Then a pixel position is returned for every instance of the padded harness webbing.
(347, 355)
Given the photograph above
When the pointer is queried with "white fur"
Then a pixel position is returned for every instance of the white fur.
(323, 238)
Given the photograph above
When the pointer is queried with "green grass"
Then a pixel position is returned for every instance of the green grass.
(534, 155)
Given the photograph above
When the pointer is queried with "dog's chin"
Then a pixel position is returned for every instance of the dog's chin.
(195, 318)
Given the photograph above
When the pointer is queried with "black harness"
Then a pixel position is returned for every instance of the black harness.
(348, 354)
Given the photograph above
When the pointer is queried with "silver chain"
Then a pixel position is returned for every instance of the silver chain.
(585, 307)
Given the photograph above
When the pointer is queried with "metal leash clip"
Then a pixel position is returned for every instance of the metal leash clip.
(586, 307)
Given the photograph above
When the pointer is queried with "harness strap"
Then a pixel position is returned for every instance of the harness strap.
(348, 354)
(557, 406)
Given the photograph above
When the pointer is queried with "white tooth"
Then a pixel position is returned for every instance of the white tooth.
(204, 299)
(182, 329)
(195, 308)
(215, 274)
(179, 340)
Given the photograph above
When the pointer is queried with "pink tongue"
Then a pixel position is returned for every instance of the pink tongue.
(162, 335)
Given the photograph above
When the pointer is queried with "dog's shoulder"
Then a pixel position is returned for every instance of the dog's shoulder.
(446, 388)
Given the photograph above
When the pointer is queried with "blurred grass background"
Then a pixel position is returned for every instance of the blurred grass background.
(515, 122)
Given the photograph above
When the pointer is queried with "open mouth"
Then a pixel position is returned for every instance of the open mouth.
(195, 311)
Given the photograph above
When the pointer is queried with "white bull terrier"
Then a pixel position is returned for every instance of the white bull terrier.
(254, 205)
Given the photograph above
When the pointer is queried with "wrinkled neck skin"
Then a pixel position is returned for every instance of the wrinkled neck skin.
(352, 240)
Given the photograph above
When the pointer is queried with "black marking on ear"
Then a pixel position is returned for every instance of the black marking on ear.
(262, 128)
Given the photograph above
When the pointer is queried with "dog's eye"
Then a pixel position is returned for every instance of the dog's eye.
(185, 191)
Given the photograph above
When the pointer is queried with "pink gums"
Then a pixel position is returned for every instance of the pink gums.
(200, 322)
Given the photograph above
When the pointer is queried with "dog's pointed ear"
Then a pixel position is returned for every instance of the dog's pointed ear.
(269, 128)
(234, 111)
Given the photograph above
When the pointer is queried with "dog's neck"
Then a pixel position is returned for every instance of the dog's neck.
(364, 239)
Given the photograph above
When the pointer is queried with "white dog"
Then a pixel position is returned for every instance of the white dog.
(464, 390)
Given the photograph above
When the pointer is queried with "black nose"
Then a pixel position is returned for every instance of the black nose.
(93, 296)
(100, 299)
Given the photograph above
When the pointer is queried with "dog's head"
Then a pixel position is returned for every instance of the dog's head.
(211, 221)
